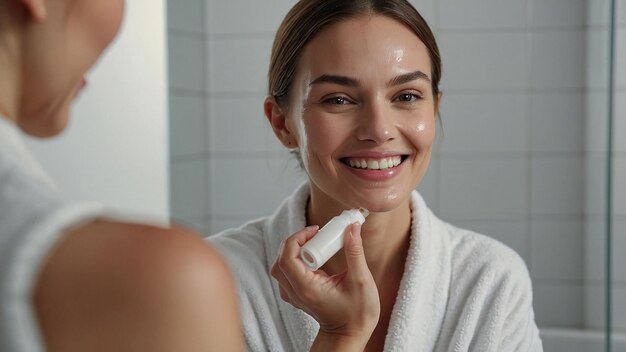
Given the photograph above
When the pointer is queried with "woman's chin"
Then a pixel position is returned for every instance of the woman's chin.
(45, 125)
(382, 203)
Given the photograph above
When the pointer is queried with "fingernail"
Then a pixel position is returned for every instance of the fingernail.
(311, 228)
(353, 228)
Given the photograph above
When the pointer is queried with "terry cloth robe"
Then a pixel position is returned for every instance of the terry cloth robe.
(34, 216)
(460, 291)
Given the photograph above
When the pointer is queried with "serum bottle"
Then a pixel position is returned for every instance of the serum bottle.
(329, 239)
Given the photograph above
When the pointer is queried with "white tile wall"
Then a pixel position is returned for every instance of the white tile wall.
(189, 188)
(186, 15)
(558, 13)
(618, 309)
(619, 185)
(619, 253)
(472, 15)
(597, 122)
(596, 195)
(186, 62)
(187, 130)
(595, 252)
(245, 16)
(557, 187)
(521, 158)
(555, 304)
(239, 64)
(572, 340)
(226, 135)
(235, 194)
(562, 239)
(620, 47)
(491, 188)
(558, 59)
(597, 57)
(492, 61)
(557, 122)
(619, 127)
(485, 122)
(595, 305)
(598, 13)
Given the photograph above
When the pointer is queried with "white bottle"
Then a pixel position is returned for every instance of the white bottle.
(329, 239)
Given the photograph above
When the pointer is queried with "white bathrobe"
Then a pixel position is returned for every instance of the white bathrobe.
(34, 216)
(460, 291)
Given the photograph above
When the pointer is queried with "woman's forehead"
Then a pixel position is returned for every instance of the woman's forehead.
(365, 44)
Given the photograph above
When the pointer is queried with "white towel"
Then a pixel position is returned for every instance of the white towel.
(460, 291)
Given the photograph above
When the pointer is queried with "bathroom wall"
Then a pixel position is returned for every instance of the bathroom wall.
(513, 160)
(115, 147)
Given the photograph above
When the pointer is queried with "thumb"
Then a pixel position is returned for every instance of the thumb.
(355, 255)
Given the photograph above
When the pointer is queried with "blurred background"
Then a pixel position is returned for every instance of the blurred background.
(523, 155)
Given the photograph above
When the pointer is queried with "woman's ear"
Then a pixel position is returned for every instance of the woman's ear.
(277, 117)
(36, 9)
(438, 103)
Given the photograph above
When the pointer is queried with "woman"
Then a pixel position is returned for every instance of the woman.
(354, 91)
(71, 280)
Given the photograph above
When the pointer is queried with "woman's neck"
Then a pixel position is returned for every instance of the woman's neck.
(385, 239)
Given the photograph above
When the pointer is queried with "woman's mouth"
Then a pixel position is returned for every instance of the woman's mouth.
(374, 163)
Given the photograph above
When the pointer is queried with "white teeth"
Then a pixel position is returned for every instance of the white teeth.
(375, 164)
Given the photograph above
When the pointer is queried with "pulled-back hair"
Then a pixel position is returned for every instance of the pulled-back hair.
(308, 17)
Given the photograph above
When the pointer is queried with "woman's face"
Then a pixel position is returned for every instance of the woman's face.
(362, 112)
(60, 50)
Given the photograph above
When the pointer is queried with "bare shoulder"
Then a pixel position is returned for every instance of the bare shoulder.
(137, 287)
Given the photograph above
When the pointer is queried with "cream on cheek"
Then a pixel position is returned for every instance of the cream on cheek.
(421, 129)
(296, 115)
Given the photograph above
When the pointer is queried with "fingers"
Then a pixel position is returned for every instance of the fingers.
(355, 254)
(291, 245)
(288, 268)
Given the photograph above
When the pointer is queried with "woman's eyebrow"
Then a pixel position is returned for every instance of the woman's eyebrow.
(352, 82)
(337, 79)
(408, 77)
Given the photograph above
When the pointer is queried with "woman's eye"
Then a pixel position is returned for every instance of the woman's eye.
(407, 97)
(337, 101)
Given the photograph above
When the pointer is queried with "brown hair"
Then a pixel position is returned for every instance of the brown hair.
(307, 17)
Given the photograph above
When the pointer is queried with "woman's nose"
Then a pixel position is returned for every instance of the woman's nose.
(376, 124)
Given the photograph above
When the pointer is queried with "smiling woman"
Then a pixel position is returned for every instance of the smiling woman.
(354, 90)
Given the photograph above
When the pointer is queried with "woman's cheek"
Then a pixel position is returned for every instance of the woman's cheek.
(421, 132)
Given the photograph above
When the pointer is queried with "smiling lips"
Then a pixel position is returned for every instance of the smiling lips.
(373, 163)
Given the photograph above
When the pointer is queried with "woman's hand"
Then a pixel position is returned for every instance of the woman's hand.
(346, 305)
